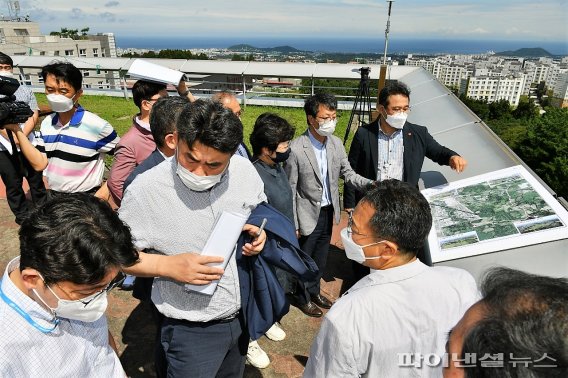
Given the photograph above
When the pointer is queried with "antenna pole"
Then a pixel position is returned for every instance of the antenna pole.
(387, 30)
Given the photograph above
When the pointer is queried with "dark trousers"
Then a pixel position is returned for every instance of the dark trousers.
(316, 245)
(12, 174)
(203, 350)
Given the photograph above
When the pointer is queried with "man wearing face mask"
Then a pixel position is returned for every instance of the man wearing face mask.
(138, 143)
(392, 148)
(13, 165)
(54, 295)
(172, 208)
(74, 139)
(316, 162)
(403, 308)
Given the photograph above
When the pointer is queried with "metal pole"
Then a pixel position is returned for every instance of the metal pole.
(244, 92)
(387, 32)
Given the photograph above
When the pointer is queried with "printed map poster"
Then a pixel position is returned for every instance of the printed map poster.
(495, 211)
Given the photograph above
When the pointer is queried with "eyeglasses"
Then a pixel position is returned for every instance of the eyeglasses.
(350, 231)
(117, 281)
(326, 119)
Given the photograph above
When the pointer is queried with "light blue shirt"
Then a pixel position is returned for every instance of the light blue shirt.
(321, 156)
(72, 349)
(391, 156)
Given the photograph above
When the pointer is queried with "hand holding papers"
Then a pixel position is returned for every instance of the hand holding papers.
(221, 242)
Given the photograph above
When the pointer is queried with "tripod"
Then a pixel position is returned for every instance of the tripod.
(362, 103)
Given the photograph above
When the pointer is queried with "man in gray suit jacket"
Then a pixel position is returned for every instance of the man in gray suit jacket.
(316, 162)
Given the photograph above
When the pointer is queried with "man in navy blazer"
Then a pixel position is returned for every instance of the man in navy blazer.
(392, 148)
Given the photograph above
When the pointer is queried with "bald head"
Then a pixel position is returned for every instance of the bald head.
(229, 101)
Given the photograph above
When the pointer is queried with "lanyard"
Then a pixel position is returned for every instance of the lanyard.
(25, 315)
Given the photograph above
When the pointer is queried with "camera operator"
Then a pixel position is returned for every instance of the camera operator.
(14, 166)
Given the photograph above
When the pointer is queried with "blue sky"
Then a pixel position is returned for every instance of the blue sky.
(476, 19)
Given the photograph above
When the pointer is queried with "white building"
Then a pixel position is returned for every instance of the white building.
(493, 89)
(560, 91)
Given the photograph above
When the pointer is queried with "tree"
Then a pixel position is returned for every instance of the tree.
(499, 109)
(526, 109)
(546, 148)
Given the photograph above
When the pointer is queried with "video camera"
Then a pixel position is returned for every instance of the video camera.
(12, 111)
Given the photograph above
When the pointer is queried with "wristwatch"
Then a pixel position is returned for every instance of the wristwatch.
(184, 94)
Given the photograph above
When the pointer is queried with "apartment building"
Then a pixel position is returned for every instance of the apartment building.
(493, 89)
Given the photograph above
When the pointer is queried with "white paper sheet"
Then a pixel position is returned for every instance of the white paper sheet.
(221, 242)
(141, 69)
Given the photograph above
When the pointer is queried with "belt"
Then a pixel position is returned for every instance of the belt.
(327, 207)
(227, 319)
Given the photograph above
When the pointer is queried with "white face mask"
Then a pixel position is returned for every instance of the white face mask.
(94, 308)
(6, 74)
(397, 120)
(354, 251)
(60, 103)
(327, 128)
(195, 182)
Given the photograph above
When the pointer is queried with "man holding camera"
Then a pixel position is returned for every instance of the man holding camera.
(14, 166)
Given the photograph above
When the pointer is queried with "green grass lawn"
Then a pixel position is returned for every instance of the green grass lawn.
(119, 112)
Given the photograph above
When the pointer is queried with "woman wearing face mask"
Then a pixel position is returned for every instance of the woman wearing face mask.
(270, 141)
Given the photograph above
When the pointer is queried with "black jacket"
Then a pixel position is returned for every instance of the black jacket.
(418, 143)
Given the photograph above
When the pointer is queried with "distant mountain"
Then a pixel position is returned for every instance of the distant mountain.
(526, 52)
(248, 48)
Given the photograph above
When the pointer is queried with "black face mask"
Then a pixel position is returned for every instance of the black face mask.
(281, 157)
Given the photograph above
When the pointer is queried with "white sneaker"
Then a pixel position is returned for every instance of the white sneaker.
(256, 356)
(276, 333)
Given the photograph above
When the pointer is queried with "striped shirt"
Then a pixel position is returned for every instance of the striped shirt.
(391, 156)
(75, 151)
(72, 349)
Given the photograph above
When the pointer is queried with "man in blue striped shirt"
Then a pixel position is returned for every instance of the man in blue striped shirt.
(74, 140)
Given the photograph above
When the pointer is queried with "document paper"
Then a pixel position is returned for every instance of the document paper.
(221, 242)
(144, 70)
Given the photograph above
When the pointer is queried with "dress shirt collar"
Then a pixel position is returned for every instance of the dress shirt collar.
(316, 143)
(36, 311)
(142, 124)
(272, 169)
(396, 274)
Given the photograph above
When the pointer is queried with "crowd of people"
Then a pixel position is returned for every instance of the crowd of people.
(181, 165)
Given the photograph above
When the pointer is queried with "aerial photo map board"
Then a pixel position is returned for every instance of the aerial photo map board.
(495, 211)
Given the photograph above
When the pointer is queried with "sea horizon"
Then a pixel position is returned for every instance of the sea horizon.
(345, 45)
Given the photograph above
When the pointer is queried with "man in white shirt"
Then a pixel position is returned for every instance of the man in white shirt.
(54, 295)
(401, 310)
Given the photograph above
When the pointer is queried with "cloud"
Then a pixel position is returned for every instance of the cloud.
(77, 14)
(479, 31)
(107, 16)
(112, 4)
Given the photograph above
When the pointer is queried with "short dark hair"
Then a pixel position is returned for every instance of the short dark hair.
(211, 124)
(144, 90)
(312, 103)
(76, 238)
(391, 89)
(64, 71)
(164, 116)
(402, 214)
(5, 59)
(269, 131)
(524, 315)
